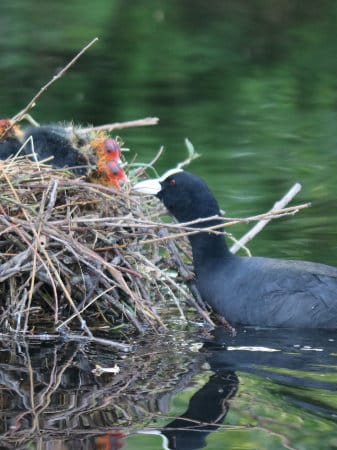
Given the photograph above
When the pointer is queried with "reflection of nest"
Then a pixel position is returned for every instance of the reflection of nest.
(76, 254)
(51, 390)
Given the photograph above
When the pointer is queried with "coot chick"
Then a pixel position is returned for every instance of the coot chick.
(246, 290)
(109, 170)
(10, 137)
(54, 140)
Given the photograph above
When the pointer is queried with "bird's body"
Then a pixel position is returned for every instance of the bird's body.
(53, 141)
(9, 147)
(272, 292)
(247, 290)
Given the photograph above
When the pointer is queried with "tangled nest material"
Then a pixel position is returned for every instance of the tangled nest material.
(82, 256)
(76, 255)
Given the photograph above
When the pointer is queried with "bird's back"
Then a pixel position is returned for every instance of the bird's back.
(272, 292)
(53, 141)
(9, 147)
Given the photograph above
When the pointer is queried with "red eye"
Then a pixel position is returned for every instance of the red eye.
(172, 182)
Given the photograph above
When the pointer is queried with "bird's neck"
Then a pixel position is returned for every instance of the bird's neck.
(207, 248)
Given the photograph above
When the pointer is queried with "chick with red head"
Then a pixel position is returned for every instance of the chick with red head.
(109, 170)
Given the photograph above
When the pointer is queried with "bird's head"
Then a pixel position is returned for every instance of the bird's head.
(108, 163)
(185, 195)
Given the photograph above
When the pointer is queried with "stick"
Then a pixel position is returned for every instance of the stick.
(69, 337)
(30, 105)
(119, 125)
(143, 168)
(212, 229)
(262, 223)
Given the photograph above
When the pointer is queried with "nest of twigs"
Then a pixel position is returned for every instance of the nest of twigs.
(82, 256)
(76, 255)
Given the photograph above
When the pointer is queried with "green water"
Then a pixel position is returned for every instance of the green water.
(252, 84)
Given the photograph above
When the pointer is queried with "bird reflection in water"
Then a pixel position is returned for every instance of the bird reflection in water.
(205, 413)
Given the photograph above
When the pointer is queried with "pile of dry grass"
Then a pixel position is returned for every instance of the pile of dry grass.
(76, 255)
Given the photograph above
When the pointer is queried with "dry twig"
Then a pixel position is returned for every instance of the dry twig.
(120, 125)
(263, 222)
(56, 77)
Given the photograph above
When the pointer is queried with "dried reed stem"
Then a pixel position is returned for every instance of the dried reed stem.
(263, 222)
(120, 125)
(30, 105)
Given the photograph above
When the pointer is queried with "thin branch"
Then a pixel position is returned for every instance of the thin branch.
(143, 167)
(227, 222)
(30, 105)
(192, 154)
(120, 125)
(263, 222)
(70, 337)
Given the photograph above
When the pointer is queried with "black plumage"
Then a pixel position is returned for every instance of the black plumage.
(9, 147)
(248, 290)
(64, 148)
(54, 141)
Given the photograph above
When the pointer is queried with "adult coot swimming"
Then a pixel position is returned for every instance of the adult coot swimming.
(248, 290)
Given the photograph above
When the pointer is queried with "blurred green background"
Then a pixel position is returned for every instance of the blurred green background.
(252, 84)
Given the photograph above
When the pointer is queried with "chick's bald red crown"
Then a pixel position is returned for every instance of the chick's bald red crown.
(112, 147)
(109, 164)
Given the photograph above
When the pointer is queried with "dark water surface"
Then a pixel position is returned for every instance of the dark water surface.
(253, 86)
(262, 389)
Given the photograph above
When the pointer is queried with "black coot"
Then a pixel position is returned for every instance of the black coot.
(248, 290)
(46, 141)
(53, 140)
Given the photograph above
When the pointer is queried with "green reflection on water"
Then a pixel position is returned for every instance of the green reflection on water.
(253, 85)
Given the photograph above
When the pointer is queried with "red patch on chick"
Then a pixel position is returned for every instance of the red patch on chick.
(109, 170)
